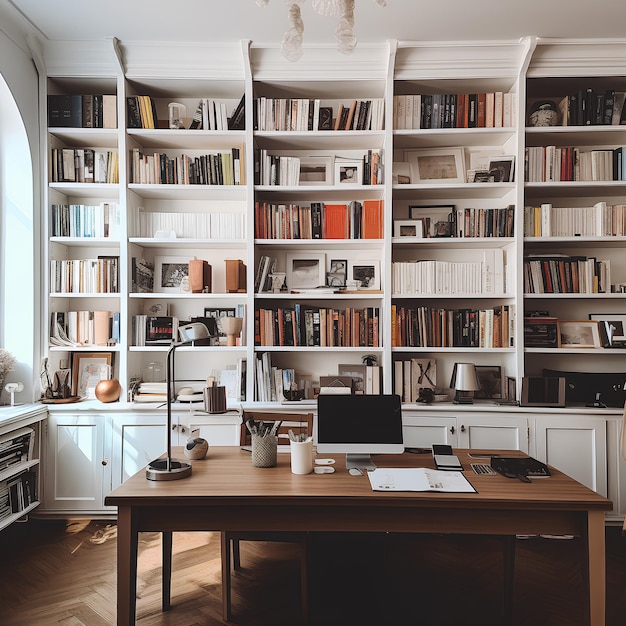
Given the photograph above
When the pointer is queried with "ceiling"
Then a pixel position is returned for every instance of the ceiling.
(405, 20)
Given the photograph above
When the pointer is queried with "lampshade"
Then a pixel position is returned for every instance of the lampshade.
(465, 381)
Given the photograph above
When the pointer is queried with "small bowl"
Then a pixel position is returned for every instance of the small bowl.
(294, 394)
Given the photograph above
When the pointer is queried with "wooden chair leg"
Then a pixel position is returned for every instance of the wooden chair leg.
(166, 570)
(226, 581)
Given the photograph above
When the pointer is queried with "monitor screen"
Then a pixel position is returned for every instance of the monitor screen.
(359, 425)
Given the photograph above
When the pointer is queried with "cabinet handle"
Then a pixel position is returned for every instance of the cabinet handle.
(105, 461)
(452, 430)
(462, 428)
(183, 429)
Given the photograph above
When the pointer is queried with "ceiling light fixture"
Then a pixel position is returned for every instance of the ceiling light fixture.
(291, 45)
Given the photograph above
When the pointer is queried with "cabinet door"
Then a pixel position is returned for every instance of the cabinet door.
(493, 433)
(576, 446)
(137, 440)
(218, 430)
(76, 468)
(422, 432)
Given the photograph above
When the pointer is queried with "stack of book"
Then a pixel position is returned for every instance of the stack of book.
(151, 392)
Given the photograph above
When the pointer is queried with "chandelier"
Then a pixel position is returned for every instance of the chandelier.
(291, 45)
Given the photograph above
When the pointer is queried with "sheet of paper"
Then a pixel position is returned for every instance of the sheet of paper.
(418, 479)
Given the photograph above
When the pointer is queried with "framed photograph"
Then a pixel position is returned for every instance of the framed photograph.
(437, 165)
(337, 273)
(408, 228)
(490, 381)
(88, 369)
(502, 169)
(579, 334)
(217, 314)
(401, 173)
(541, 332)
(170, 274)
(612, 328)
(365, 273)
(316, 170)
(348, 172)
(306, 270)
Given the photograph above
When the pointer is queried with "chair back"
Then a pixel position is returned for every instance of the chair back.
(300, 424)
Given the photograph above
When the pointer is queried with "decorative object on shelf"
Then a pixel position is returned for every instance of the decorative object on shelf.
(348, 172)
(579, 334)
(235, 276)
(465, 382)
(490, 381)
(437, 165)
(169, 273)
(316, 170)
(612, 328)
(12, 388)
(198, 333)
(306, 270)
(543, 113)
(88, 369)
(366, 273)
(278, 281)
(502, 169)
(108, 390)
(426, 395)
(291, 44)
(401, 173)
(199, 276)
(408, 228)
(196, 448)
(177, 112)
(214, 398)
(336, 276)
(7, 364)
(232, 327)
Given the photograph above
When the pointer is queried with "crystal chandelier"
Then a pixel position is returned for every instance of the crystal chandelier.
(291, 45)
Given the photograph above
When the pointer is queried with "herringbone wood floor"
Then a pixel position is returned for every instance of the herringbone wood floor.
(55, 572)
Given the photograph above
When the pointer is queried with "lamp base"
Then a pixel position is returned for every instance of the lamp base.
(161, 470)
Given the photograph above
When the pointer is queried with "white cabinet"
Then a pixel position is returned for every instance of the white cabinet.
(493, 432)
(575, 445)
(20, 429)
(89, 454)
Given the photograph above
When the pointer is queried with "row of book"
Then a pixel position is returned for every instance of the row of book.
(212, 114)
(86, 220)
(217, 168)
(84, 328)
(83, 165)
(212, 225)
(433, 327)
(16, 447)
(561, 164)
(566, 274)
(17, 493)
(480, 222)
(154, 330)
(317, 326)
(454, 110)
(319, 220)
(411, 375)
(599, 220)
(77, 111)
(429, 277)
(99, 275)
(592, 107)
(303, 114)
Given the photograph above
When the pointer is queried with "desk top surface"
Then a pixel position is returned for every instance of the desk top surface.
(226, 477)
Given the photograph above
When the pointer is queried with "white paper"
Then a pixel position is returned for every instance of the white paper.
(418, 479)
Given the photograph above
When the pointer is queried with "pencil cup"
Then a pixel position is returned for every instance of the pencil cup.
(264, 450)
(301, 456)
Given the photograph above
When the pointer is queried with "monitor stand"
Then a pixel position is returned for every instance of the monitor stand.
(360, 461)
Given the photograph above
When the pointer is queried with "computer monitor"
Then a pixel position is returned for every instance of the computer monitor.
(359, 426)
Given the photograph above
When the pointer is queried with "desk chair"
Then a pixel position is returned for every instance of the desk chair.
(230, 540)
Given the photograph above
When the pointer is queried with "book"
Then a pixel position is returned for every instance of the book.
(65, 111)
(418, 479)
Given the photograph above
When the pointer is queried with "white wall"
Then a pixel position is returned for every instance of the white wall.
(20, 213)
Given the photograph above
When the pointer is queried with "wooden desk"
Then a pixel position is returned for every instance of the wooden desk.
(226, 493)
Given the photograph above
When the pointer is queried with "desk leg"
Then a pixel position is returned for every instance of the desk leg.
(166, 570)
(226, 584)
(127, 540)
(596, 567)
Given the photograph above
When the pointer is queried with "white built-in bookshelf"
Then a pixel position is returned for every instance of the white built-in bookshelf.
(424, 205)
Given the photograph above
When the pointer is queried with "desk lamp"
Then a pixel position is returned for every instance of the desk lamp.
(465, 382)
(169, 468)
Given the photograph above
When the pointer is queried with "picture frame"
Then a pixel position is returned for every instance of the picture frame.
(305, 270)
(490, 381)
(365, 273)
(348, 172)
(437, 165)
(541, 332)
(88, 369)
(579, 334)
(337, 273)
(217, 313)
(612, 328)
(316, 170)
(418, 211)
(408, 228)
(170, 273)
(502, 168)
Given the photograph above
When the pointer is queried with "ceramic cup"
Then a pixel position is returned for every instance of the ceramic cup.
(301, 456)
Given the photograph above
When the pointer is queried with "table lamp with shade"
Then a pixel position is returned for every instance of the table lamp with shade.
(169, 468)
(464, 381)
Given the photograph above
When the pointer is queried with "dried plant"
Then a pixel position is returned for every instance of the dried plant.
(7, 362)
